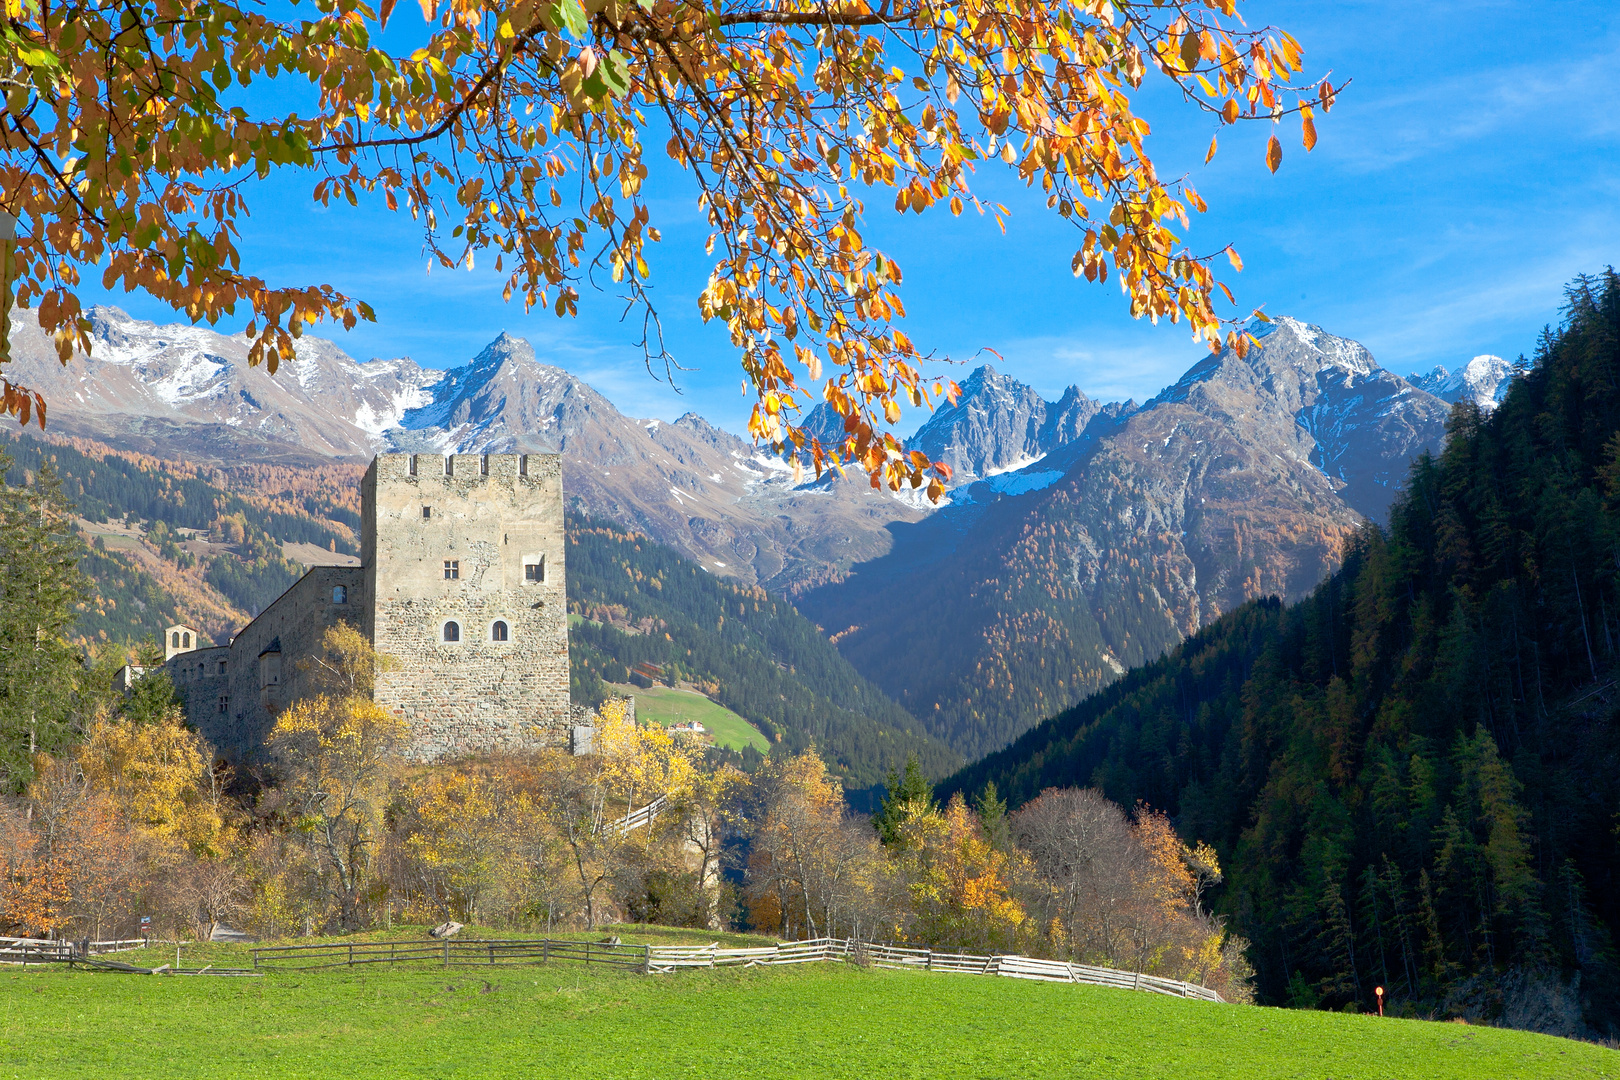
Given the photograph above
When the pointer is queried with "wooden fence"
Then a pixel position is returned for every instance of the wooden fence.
(635, 820)
(665, 959)
(16, 950)
(662, 959)
(451, 953)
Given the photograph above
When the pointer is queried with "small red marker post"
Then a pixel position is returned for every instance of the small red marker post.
(1378, 991)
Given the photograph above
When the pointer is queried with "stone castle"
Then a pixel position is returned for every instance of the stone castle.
(461, 579)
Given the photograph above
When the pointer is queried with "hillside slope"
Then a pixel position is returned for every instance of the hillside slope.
(170, 542)
(752, 652)
(1413, 776)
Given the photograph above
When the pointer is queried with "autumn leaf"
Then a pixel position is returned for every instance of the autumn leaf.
(1211, 155)
(1273, 154)
(526, 129)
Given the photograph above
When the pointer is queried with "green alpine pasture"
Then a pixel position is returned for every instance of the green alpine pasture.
(822, 1021)
(666, 705)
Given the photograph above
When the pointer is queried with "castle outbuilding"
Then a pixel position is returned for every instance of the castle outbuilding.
(461, 579)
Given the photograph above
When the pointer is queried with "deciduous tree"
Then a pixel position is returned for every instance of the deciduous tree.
(522, 131)
(336, 757)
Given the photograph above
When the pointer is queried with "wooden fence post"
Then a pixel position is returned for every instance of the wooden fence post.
(351, 954)
(447, 952)
(545, 950)
(646, 959)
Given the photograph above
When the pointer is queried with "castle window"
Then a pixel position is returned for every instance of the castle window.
(523, 464)
(187, 640)
(174, 639)
(452, 569)
(449, 465)
(340, 594)
(224, 704)
(535, 571)
(497, 632)
(483, 465)
(452, 631)
(413, 465)
(427, 512)
(222, 667)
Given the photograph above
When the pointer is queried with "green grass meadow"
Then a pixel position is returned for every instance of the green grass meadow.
(664, 705)
(814, 1020)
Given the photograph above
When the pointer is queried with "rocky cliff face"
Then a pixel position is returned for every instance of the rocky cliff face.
(1239, 481)
(999, 425)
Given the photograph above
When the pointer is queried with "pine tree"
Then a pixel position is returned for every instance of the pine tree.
(907, 795)
(40, 585)
(992, 810)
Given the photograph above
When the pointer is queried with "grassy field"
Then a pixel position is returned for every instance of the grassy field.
(666, 705)
(816, 1020)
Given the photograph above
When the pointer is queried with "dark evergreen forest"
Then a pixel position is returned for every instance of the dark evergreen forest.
(1413, 776)
(757, 655)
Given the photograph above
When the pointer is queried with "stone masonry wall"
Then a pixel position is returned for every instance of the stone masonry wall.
(297, 619)
(488, 515)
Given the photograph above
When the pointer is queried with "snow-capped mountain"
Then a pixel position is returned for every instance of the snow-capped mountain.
(1484, 380)
(999, 425)
(1036, 587)
(188, 392)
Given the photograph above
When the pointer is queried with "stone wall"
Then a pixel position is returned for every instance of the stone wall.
(294, 623)
(487, 517)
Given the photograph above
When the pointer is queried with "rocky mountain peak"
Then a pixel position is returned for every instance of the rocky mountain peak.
(1484, 380)
(999, 425)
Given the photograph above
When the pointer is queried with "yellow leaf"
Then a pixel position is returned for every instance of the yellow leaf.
(1211, 154)
(1273, 154)
(1237, 263)
(1310, 132)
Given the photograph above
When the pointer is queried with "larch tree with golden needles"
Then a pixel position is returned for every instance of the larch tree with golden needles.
(336, 755)
(520, 131)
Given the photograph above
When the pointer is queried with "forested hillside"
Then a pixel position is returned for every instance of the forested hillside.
(753, 652)
(187, 542)
(1413, 776)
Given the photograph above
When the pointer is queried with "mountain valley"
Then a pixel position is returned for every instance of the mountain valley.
(1078, 538)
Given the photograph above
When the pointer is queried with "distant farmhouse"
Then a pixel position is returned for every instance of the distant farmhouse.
(460, 578)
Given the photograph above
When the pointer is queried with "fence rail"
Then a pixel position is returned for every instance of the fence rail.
(666, 959)
(450, 953)
(663, 959)
(17, 950)
(636, 819)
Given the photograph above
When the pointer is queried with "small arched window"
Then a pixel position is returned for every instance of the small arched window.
(452, 631)
(187, 640)
(340, 594)
(174, 639)
(497, 632)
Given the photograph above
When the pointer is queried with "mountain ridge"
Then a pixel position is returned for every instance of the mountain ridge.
(1211, 494)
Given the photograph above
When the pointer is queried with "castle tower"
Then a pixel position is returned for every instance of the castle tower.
(463, 564)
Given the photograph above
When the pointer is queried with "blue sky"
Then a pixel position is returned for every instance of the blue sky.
(1467, 173)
